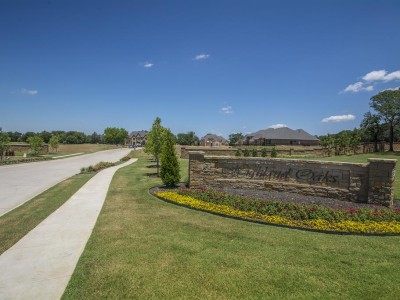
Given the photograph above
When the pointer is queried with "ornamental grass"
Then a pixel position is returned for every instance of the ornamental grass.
(366, 221)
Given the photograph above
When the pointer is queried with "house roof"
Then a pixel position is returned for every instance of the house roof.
(283, 133)
(141, 133)
(214, 137)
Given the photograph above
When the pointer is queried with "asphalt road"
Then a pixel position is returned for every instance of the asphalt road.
(19, 183)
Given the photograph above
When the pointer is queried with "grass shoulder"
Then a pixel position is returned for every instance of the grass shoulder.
(18, 222)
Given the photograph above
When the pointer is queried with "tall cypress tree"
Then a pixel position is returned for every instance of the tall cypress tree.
(169, 172)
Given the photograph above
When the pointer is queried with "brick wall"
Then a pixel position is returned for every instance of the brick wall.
(369, 183)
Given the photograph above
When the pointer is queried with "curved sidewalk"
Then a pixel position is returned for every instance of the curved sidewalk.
(40, 265)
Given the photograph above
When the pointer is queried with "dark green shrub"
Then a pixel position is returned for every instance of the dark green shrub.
(254, 152)
(169, 171)
(246, 153)
(264, 152)
(274, 152)
(238, 153)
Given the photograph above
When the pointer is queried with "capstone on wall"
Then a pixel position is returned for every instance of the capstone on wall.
(370, 183)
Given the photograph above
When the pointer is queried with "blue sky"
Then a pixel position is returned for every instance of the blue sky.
(206, 66)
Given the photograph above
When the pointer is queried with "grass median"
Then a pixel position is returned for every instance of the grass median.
(144, 248)
(18, 222)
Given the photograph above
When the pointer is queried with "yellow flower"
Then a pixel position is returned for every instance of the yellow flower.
(371, 227)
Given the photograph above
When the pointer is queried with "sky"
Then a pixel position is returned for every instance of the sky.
(204, 66)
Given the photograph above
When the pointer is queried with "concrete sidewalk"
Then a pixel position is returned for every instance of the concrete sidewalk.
(40, 265)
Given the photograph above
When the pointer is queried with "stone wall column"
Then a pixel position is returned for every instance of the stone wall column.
(196, 166)
(381, 181)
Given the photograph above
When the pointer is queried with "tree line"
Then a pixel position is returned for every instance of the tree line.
(380, 124)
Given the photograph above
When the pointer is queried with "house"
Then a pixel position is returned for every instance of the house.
(280, 136)
(213, 140)
(137, 138)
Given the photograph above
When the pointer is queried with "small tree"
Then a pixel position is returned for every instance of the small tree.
(169, 172)
(355, 140)
(4, 143)
(54, 142)
(36, 143)
(154, 143)
(328, 142)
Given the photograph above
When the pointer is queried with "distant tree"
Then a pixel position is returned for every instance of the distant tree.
(4, 143)
(54, 142)
(154, 143)
(189, 138)
(36, 143)
(235, 138)
(95, 138)
(169, 172)
(371, 124)
(15, 136)
(45, 135)
(26, 136)
(114, 135)
(343, 140)
(328, 142)
(355, 139)
(387, 105)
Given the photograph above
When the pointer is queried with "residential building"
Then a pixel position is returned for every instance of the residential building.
(213, 140)
(137, 138)
(280, 136)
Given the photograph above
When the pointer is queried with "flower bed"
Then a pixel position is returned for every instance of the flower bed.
(365, 221)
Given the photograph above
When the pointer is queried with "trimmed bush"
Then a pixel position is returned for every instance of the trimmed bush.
(274, 152)
(169, 171)
(264, 152)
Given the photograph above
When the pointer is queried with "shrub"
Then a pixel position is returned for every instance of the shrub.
(238, 153)
(369, 221)
(246, 153)
(264, 152)
(169, 171)
(274, 152)
(254, 152)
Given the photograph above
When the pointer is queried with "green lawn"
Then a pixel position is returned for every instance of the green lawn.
(144, 248)
(18, 222)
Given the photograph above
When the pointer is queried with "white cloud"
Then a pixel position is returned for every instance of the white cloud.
(341, 118)
(227, 110)
(148, 65)
(392, 76)
(27, 92)
(358, 87)
(277, 126)
(201, 56)
(375, 75)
